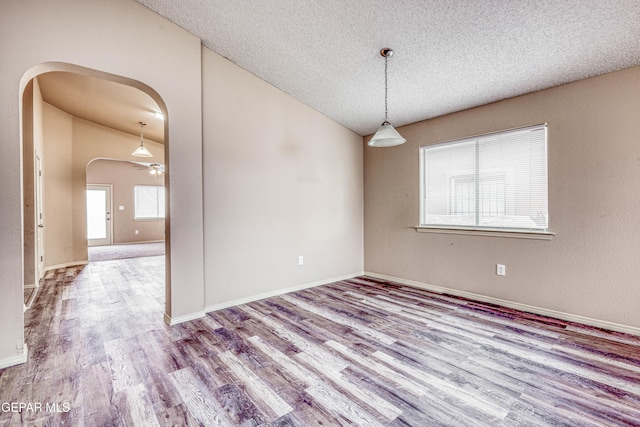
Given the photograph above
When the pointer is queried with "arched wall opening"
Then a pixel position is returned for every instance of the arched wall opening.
(77, 142)
(129, 44)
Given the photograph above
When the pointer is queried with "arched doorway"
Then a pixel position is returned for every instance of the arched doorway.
(96, 115)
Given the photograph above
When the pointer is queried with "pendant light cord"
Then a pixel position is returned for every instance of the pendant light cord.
(142, 125)
(386, 135)
(386, 111)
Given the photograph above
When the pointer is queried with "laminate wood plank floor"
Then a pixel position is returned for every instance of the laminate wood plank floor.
(129, 250)
(359, 352)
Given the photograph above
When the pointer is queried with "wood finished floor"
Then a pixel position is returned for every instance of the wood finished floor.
(360, 352)
(122, 251)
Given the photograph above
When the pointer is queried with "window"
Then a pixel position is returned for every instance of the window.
(149, 203)
(496, 181)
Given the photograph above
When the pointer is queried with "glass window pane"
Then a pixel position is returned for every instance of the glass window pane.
(149, 202)
(448, 182)
(492, 181)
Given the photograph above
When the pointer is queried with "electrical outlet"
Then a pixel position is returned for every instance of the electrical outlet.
(501, 270)
(300, 260)
(137, 231)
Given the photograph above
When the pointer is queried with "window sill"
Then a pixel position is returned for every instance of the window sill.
(516, 234)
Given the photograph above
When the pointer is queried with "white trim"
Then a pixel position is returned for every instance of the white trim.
(32, 298)
(171, 321)
(278, 292)
(515, 305)
(536, 235)
(65, 265)
(15, 360)
(495, 132)
(30, 286)
(38, 216)
(137, 243)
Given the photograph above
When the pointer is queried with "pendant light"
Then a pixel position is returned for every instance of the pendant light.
(142, 151)
(386, 136)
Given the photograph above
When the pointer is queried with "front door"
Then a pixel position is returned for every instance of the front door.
(98, 215)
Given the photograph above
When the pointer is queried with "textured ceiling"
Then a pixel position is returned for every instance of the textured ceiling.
(450, 55)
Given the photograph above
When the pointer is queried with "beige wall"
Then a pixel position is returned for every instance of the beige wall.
(591, 266)
(281, 180)
(123, 177)
(32, 112)
(29, 247)
(113, 38)
(57, 180)
(92, 141)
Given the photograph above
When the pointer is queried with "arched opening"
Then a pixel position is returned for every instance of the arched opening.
(72, 115)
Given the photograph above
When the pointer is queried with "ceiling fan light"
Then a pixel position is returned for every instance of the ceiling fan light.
(155, 169)
(386, 136)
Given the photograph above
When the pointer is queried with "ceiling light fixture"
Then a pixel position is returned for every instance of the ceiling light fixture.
(142, 151)
(155, 169)
(386, 136)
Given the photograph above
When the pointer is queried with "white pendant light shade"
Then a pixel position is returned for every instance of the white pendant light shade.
(386, 136)
(142, 151)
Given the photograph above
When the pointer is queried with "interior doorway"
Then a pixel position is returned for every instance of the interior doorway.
(56, 98)
(99, 207)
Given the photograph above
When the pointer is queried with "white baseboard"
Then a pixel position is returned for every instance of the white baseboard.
(137, 243)
(65, 265)
(277, 292)
(27, 305)
(515, 305)
(15, 360)
(184, 318)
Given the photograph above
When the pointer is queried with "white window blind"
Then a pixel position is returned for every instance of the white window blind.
(149, 202)
(493, 181)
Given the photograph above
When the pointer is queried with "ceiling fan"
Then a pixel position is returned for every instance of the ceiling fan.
(155, 169)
